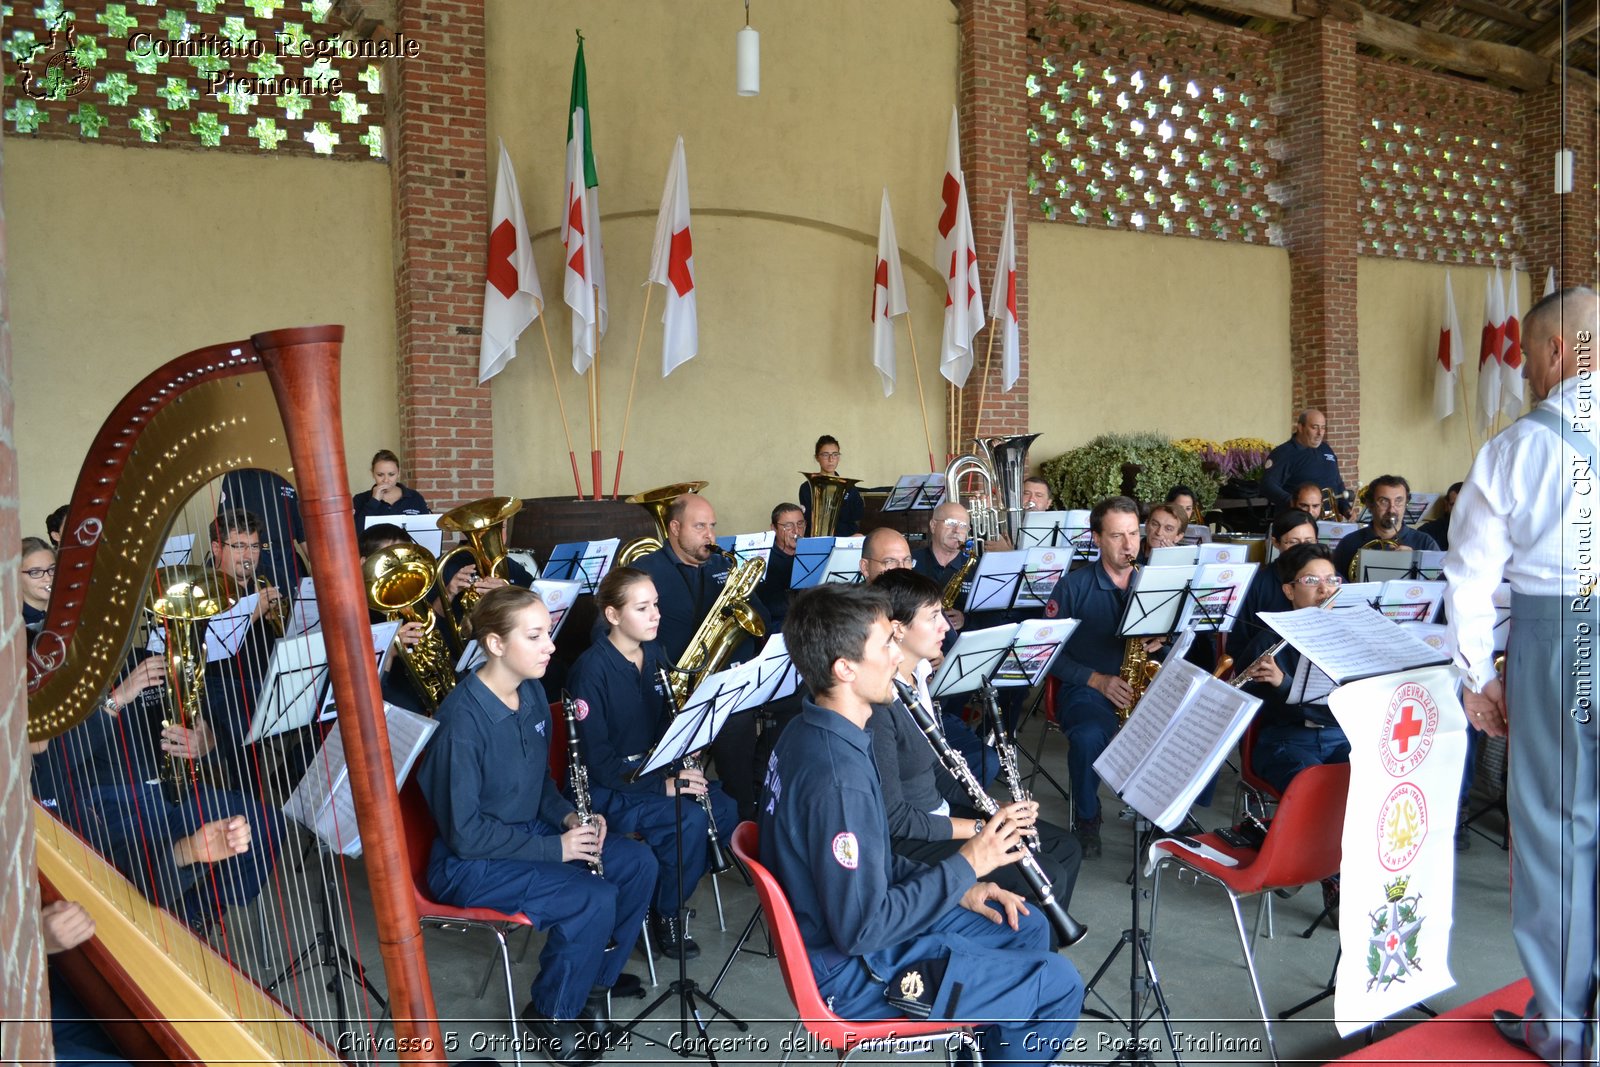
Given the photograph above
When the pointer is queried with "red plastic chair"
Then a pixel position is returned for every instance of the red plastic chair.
(844, 1037)
(1256, 795)
(421, 832)
(1302, 847)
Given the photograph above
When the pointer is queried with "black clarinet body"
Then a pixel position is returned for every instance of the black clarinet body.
(1068, 929)
(578, 773)
(716, 859)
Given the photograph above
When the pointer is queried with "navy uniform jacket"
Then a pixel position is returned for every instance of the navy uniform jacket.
(1088, 595)
(368, 506)
(1344, 553)
(274, 501)
(1438, 529)
(824, 836)
(1292, 463)
(774, 588)
(32, 618)
(512, 571)
(1265, 593)
(913, 782)
(851, 510)
(486, 776)
(686, 594)
(923, 562)
(627, 713)
(1275, 709)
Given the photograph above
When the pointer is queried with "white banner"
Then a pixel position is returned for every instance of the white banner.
(1408, 741)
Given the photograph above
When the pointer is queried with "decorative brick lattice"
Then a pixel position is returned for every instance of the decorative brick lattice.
(1438, 167)
(1155, 125)
(249, 75)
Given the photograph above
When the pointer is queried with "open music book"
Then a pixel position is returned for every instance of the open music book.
(1176, 738)
(1353, 644)
(323, 803)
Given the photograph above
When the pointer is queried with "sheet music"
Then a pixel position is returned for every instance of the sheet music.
(1043, 529)
(1417, 505)
(1310, 684)
(844, 560)
(225, 631)
(1166, 693)
(424, 529)
(750, 545)
(383, 635)
(906, 489)
(1353, 595)
(559, 598)
(776, 676)
(1080, 537)
(995, 581)
(1175, 556)
(810, 561)
(1354, 644)
(971, 660)
(1331, 533)
(1217, 593)
(291, 689)
(323, 802)
(1223, 552)
(1411, 601)
(176, 551)
(304, 616)
(1040, 575)
(596, 563)
(1155, 596)
(1037, 644)
(931, 493)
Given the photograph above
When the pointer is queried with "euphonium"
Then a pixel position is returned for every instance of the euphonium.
(181, 598)
(827, 497)
(398, 578)
(658, 502)
(723, 629)
(483, 524)
(1002, 463)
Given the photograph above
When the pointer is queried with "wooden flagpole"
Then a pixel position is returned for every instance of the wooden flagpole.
(983, 385)
(1466, 411)
(594, 395)
(627, 416)
(916, 370)
(562, 403)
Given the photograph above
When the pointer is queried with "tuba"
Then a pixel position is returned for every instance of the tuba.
(181, 598)
(657, 502)
(397, 579)
(482, 522)
(723, 629)
(1002, 463)
(827, 497)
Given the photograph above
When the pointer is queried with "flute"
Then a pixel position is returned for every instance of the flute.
(1278, 646)
(1068, 929)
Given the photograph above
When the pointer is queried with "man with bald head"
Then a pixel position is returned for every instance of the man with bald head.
(884, 550)
(1305, 457)
(1526, 513)
(946, 553)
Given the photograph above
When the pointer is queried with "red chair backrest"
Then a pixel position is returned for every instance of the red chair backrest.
(791, 948)
(421, 832)
(558, 744)
(1052, 685)
(1247, 755)
(1304, 842)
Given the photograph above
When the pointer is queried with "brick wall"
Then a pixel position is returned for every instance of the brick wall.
(1318, 107)
(441, 219)
(1559, 231)
(22, 986)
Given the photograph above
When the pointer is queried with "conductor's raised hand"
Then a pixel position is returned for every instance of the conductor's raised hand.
(994, 846)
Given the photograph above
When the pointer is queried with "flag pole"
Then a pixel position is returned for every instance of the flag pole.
(594, 396)
(627, 416)
(983, 385)
(916, 371)
(1466, 412)
(562, 403)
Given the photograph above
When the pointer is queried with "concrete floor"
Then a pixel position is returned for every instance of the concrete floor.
(1196, 953)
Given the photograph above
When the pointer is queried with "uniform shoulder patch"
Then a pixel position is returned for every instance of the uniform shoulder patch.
(845, 851)
(580, 709)
(1052, 608)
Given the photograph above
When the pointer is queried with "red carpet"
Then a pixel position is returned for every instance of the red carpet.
(1462, 1035)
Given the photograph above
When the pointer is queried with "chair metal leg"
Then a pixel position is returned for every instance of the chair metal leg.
(1155, 904)
(716, 892)
(1250, 965)
(511, 998)
(793, 1042)
(649, 953)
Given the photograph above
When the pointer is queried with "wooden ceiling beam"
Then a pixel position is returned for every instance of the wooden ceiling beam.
(1546, 40)
(1499, 12)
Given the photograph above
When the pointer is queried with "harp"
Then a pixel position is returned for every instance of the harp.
(269, 403)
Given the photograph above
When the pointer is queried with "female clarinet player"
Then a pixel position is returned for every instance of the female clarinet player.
(387, 495)
(623, 710)
(509, 840)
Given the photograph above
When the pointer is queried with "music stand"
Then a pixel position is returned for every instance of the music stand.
(703, 716)
(1043, 529)
(997, 581)
(423, 529)
(844, 561)
(810, 561)
(291, 691)
(1041, 573)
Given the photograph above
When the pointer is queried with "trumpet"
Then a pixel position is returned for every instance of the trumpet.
(578, 774)
(716, 859)
(1068, 929)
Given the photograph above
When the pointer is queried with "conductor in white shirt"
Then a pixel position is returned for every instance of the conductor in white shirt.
(1527, 513)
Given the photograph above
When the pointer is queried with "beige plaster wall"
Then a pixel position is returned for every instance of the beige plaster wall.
(785, 188)
(1402, 304)
(123, 258)
(1135, 332)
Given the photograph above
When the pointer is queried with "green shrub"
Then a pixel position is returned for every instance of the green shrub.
(1084, 476)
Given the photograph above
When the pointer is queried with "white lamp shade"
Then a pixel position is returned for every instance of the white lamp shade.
(749, 62)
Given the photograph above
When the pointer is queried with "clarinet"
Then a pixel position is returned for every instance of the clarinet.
(578, 774)
(1068, 929)
(1003, 747)
(716, 859)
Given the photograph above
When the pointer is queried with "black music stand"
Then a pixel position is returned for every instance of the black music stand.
(694, 728)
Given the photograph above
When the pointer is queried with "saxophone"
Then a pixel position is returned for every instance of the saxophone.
(578, 774)
(722, 630)
(1137, 670)
(952, 588)
(716, 860)
(1067, 928)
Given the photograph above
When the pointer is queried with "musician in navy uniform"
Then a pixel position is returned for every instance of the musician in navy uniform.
(623, 711)
(1089, 667)
(1438, 527)
(388, 495)
(509, 840)
(886, 934)
(1265, 592)
(852, 508)
(1387, 496)
(1304, 457)
(276, 505)
(788, 526)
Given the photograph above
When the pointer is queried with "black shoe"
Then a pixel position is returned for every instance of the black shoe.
(565, 1041)
(1088, 835)
(1330, 901)
(670, 939)
(1463, 838)
(628, 985)
(1512, 1027)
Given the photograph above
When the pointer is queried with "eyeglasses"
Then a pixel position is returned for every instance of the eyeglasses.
(893, 563)
(39, 572)
(962, 527)
(246, 546)
(1311, 581)
(799, 525)
(829, 455)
